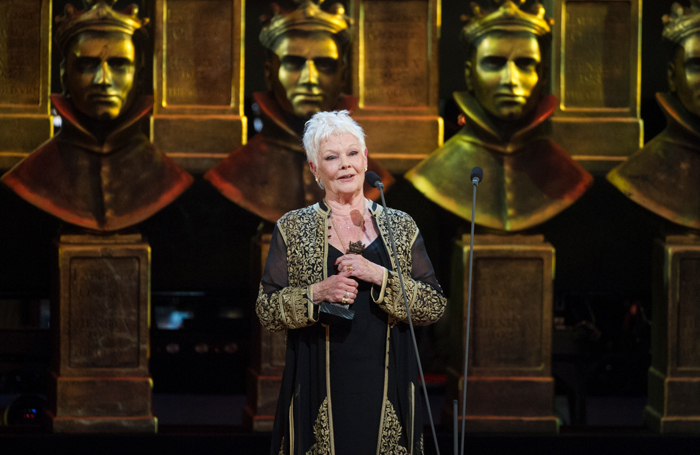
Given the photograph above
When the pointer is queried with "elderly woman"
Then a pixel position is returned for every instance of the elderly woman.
(347, 388)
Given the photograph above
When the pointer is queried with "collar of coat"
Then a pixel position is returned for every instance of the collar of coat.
(74, 132)
(484, 130)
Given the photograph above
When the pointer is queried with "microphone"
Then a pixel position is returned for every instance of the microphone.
(374, 180)
(477, 175)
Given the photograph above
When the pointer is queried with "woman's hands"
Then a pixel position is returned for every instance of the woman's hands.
(356, 265)
(336, 288)
(342, 288)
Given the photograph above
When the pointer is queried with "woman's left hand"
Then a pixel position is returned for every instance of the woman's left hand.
(361, 268)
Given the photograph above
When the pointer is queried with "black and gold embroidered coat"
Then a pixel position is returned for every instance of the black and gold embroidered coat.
(314, 413)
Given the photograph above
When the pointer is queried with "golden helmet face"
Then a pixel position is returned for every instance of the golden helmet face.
(306, 74)
(504, 74)
(684, 73)
(99, 74)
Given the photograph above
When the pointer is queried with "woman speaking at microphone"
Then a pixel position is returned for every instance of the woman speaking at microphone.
(350, 387)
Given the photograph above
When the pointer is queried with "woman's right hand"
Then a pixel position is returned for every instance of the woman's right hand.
(335, 288)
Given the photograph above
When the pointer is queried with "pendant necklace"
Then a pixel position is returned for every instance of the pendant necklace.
(358, 220)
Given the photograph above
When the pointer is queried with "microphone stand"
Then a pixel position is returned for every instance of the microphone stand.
(475, 183)
(380, 186)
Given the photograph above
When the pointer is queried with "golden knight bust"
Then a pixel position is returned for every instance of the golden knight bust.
(528, 178)
(307, 52)
(664, 176)
(100, 171)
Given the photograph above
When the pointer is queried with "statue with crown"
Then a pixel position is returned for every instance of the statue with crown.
(664, 178)
(101, 176)
(100, 172)
(528, 178)
(307, 57)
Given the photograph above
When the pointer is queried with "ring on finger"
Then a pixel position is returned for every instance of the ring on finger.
(349, 267)
(344, 300)
(347, 294)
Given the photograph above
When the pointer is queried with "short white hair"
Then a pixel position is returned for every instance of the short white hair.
(324, 125)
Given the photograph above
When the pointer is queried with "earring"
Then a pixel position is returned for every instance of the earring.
(317, 181)
(365, 168)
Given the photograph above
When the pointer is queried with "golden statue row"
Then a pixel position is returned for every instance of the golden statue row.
(506, 113)
(103, 172)
(198, 117)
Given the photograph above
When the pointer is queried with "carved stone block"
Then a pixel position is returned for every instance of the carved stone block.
(509, 383)
(674, 376)
(395, 77)
(198, 117)
(268, 356)
(25, 36)
(100, 324)
(596, 64)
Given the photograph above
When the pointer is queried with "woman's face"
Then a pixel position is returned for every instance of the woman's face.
(341, 165)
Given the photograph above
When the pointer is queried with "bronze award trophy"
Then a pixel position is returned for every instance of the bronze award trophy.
(528, 179)
(25, 56)
(395, 77)
(104, 177)
(199, 68)
(664, 177)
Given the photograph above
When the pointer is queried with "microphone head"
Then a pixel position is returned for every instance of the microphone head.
(477, 173)
(373, 179)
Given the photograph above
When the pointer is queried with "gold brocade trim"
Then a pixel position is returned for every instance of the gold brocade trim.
(385, 401)
(391, 433)
(426, 303)
(291, 427)
(322, 432)
(420, 451)
(412, 423)
(282, 447)
(288, 308)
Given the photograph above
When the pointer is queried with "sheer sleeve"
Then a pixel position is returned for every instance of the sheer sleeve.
(425, 297)
(280, 306)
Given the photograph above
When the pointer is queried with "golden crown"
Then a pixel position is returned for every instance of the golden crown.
(98, 15)
(681, 22)
(308, 17)
(505, 15)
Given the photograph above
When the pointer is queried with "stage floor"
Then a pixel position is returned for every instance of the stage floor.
(211, 425)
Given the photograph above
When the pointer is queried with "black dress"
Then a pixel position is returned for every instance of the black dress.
(357, 364)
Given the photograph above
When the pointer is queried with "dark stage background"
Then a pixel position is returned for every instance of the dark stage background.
(202, 284)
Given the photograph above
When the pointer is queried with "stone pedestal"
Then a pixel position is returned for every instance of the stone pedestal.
(674, 376)
(395, 78)
(100, 381)
(596, 64)
(198, 116)
(25, 57)
(509, 384)
(268, 357)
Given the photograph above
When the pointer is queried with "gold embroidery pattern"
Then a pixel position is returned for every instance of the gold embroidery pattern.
(303, 232)
(322, 432)
(427, 304)
(294, 304)
(391, 433)
(420, 450)
(282, 447)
